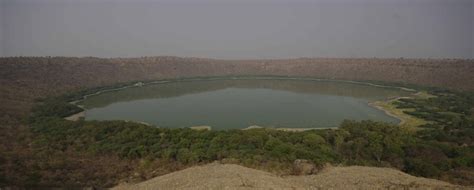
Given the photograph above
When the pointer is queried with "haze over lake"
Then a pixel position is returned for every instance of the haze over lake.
(235, 104)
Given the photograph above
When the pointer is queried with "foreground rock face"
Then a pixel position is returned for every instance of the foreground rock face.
(231, 176)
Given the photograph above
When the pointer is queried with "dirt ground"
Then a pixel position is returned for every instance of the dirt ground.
(231, 176)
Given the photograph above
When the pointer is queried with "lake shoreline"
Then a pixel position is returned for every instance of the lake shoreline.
(82, 114)
(405, 119)
(377, 105)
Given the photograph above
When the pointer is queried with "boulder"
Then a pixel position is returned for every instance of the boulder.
(304, 167)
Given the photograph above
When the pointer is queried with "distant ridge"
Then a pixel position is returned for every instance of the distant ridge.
(23, 79)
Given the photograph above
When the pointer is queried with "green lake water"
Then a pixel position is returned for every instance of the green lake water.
(239, 103)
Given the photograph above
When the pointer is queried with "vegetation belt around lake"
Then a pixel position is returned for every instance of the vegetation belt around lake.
(444, 149)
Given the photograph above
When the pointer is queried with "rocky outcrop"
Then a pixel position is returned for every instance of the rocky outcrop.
(304, 167)
(231, 176)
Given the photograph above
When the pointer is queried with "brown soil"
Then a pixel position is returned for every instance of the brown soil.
(231, 176)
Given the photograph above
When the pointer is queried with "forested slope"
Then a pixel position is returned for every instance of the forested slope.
(22, 79)
(44, 150)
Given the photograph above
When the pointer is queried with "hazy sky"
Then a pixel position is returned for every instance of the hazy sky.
(236, 29)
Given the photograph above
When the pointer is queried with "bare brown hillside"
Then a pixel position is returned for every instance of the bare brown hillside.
(22, 79)
(230, 176)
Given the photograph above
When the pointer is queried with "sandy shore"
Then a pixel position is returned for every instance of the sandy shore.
(406, 120)
(76, 116)
(380, 106)
(201, 127)
(286, 128)
(300, 129)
